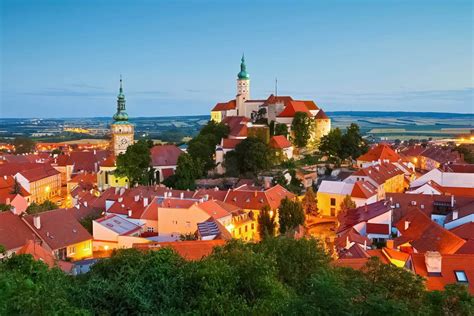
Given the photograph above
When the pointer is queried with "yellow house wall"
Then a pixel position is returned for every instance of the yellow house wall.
(324, 203)
(80, 250)
(216, 116)
(394, 184)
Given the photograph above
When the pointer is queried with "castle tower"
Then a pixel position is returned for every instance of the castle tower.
(243, 88)
(122, 130)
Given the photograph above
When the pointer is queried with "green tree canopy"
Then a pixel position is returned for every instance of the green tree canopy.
(135, 163)
(187, 171)
(331, 144)
(266, 223)
(251, 156)
(35, 208)
(281, 129)
(290, 215)
(301, 129)
(352, 143)
(23, 145)
(309, 202)
(347, 204)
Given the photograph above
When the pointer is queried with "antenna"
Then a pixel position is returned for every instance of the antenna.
(276, 86)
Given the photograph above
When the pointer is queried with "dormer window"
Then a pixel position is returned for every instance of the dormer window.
(461, 276)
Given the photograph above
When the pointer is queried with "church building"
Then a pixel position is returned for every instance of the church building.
(121, 129)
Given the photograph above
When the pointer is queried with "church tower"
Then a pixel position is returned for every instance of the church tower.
(122, 130)
(243, 88)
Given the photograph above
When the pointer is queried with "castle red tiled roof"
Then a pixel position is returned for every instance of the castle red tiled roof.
(225, 106)
(189, 250)
(272, 99)
(425, 235)
(449, 264)
(311, 105)
(321, 115)
(237, 125)
(87, 161)
(59, 228)
(380, 152)
(293, 107)
(165, 155)
(280, 142)
(84, 178)
(40, 172)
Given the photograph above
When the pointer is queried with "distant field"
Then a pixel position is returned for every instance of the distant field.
(390, 125)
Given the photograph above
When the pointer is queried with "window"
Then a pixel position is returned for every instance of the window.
(461, 276)
(333, 202)
(150, 229)
(253, 227)
(72, 250)
(246, 228)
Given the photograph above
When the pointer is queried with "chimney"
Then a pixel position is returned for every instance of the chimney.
(5, 177)
(407, 224)
(452, 200)
(37, 222)
(206, 197)
(145, 201)
(181, 195)
(433, 262)
(129, 213)
(455, 215)
(348, 243)
(95, 152)
(120, 199)
(7, 201)
(85, 203)
(136, 198)
(365, 244)
(122, 191)
(390, 244)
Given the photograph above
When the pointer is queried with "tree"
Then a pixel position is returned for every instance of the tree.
(347, 204)
(290, 215)
(187, 171)
(309, 202)
(467, 151)
(135, 163)
(331, 144)
(281, 129)
(56, 152)
(5, 207)
(16, 187)
(251, 156)
(266, 223)
(35, 208)
(301, 129)
(352, 143)
(23, 145)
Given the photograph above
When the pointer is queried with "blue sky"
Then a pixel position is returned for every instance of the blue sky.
(63, 58)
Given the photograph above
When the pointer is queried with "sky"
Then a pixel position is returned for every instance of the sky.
(64, 58)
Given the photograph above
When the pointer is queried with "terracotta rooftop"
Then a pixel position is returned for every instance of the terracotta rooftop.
(363, 190)
(280, 142)
(189, 250)
(254, 199)
(293, 107)
(225, 106)
(361, 214)
(379, 173)
(165, 155)
(380, 152)
(14, 233)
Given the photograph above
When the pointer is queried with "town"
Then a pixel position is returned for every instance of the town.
(259, 168)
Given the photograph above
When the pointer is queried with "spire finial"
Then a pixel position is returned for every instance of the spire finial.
(121, 89)
(276, 86)
(243, 57)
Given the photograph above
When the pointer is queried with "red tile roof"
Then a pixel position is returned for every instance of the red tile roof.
(189, 250)
(59, 228)
(293, 107)
(363, 190)
(465, 231)
(373, 228)
(311, 105)
(38, 252)
(254, 199)
(84, 178)
(280, 142)
(40, 172)
(230, 143)
(425, 235)
(237, 125)
(225, 106)
(88, 161)
(449, 264)
(14, 233)
(214, 209)
(165, 155)
(361, 214)
(351, 235)
(380, 152)
(379, 173)
(321, 115)
(395, 254)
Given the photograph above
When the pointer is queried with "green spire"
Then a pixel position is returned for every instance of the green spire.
(243, 74)
(121, 115)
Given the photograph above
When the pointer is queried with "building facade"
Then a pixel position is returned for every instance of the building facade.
(121, 129)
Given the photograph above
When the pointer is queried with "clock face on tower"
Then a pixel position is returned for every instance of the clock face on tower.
(123, 142)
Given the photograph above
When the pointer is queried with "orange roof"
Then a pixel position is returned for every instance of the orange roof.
(280, 142)
(59, 228)
(380, 172)
(395, 254)
(14, 233)
(425, 235)
(465, 231)
(189, 250)
(230, 143)
(380, 152)
(253, 199)
(374, 228)
(354, 263)
(214, 209)
(165, 155)
(363, 190)
(84, 177)
(109, 162)
(321, 115)
(311, 105)
(225, 106)
(293, 107)
(449, 264)
(38, 252)
(237, 125)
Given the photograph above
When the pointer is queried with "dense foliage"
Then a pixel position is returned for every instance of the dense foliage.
(250, 156)
(341, 146)
(291, 215)
(277, 276)
(23, 145)
(467, 150)
(301, 129)
(266, 222)
(187, 171)
(281, 129)
(135, 163)
(35, 208)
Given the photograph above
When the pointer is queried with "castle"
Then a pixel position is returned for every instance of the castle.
(276, 109)
(121, 129)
